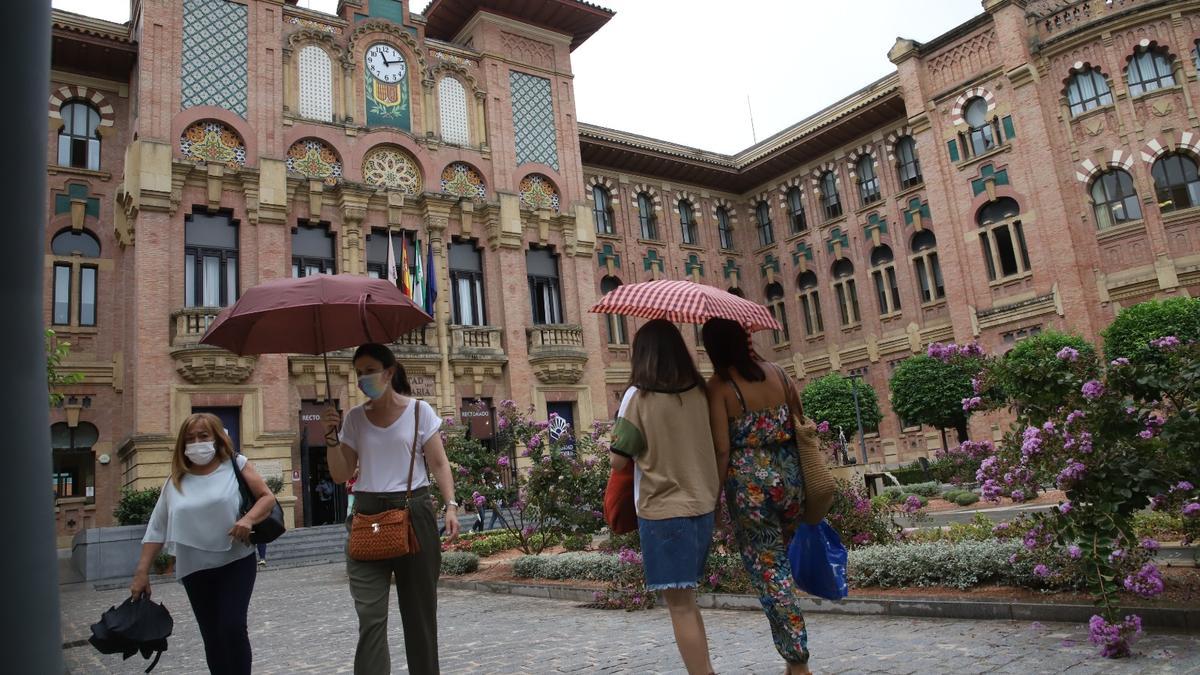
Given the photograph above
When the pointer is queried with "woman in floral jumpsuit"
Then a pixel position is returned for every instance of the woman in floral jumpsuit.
(764, 487)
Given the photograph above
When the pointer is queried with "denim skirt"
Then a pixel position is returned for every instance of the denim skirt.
(674, 550)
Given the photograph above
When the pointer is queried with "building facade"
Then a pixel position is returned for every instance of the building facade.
(1034, 168)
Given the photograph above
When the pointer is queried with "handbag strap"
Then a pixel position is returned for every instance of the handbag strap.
(793, 400)
(243, 487)
(412, 461)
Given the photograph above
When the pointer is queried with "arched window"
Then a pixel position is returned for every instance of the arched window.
(73, 247)
(907, 164)
(1003, 239)
(883, 272)
(766, 231)
(774, 293)
(847, 292)
(830, 201)
(603, 211)
(687, 223)
(1114, 199)
(1088, 90)
(541, 268)
(466, 283)
(452, 107)
(1148, 70)
(979, 130)
(646, 217)
(74, 463)
(810, 304)
(79, 141)
(868, 182)
(1176, 185)
(796, 217)
(316, 84)
(925, 263)
(614, 322)
(724, 229)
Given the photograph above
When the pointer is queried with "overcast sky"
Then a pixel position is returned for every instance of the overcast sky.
(681, 70)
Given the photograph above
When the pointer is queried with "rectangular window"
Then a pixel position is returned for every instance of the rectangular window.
(466, 283)
(62, 294)
(985, 242)
(312, 251)
(881, 292)
(847, 295)
(923, 280)
(810, 304)
(724, 229)
(210, 258)
(544, 298)
(87, 296)
(1006, 252)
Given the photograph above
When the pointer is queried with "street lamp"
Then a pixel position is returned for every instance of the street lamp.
(862, 441)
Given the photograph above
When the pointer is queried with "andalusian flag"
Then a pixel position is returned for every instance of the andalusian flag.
(418, 275)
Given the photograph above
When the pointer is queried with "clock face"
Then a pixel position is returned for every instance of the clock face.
(386, 63)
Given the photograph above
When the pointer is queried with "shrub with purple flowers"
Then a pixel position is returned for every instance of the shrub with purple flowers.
(1113, 442)
(627, 590)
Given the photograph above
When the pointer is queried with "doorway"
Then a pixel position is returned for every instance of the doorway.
(231, 419)
(325, 502)
(565, 434)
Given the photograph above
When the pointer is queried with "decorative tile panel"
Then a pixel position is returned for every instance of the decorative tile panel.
(310, 158)
(214, 54)
(462, 180)
(211, 141)
(393, 168)
(535, 136)
(316, 84)
(452, 102)
(537, 192)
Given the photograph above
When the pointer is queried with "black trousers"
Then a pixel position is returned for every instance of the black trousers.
(220, 599)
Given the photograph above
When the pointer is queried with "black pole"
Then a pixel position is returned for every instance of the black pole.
(33, 641)
(862, 441)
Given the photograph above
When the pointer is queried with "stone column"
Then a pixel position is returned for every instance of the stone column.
(348, 88)
(436, 218)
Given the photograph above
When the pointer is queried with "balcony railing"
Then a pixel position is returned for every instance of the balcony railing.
(468, 340)
(189, 324)
(419, 341)
(554, 337)
(1075, 15)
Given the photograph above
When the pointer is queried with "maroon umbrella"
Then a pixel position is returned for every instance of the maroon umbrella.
(314, 315)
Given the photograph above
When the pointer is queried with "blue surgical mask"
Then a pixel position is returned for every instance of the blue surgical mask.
(373, 385)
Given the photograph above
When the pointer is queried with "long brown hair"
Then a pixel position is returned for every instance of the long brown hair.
(728, 347)
(180, 464)
(661, 361)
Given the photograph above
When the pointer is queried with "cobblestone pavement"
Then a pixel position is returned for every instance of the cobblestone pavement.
(302, 621)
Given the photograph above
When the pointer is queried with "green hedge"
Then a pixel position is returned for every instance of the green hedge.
(590, 566)
(962, 565)
(135, 506)
(455, 563)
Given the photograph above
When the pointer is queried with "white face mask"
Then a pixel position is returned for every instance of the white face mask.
(200, 453)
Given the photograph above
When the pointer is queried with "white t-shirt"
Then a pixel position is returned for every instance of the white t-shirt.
(193, 522)
(383, 454)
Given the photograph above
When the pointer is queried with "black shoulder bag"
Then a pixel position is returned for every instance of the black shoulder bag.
(268, 530)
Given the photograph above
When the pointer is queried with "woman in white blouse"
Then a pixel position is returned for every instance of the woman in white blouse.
(196, 520)
(377, 439)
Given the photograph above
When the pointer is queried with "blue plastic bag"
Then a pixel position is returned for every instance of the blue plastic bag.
(819, 561)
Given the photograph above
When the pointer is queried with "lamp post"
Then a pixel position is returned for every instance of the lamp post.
(862, 441)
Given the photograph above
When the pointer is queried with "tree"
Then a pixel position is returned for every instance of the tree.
(1035, 379)
(56, 352)
(831, 399)
(1130, 333)
(928, 391)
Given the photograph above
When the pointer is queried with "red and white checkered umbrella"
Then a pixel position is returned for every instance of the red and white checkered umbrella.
(684, 302)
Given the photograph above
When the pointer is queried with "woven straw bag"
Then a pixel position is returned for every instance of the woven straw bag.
(388, 534)
(819, 486)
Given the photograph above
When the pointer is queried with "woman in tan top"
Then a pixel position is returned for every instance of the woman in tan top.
(663, 427)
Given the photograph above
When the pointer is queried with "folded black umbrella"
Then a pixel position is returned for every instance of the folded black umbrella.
(134, 626)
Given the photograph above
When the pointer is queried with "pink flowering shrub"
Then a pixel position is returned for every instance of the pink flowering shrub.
(1113, 442)
(859, 520)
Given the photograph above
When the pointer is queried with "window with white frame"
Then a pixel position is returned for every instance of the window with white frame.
(1114, 199)
(796, 220)
(724, 228)
(646, 218)
(1149, 70)
(210, 260)
(1088, 90)
(466, 284)
(868, 182)
(980, 132)
(766, 231)
(1176, 183)
(687, 223)
(541, 268)
(79, 138)
(907, 163)
(830, 199)
(602, 210)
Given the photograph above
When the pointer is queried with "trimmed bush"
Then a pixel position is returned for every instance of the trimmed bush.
(930, 391)
(1033, 377)
(962, 565)
(831, 399)
(966, 498)
(577, 542)
(494, 543)
(135, 506)
(1130, 333)
(929, 489)
(456, 563)
(590, 566)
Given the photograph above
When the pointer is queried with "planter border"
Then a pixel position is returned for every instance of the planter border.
(1187, 620)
